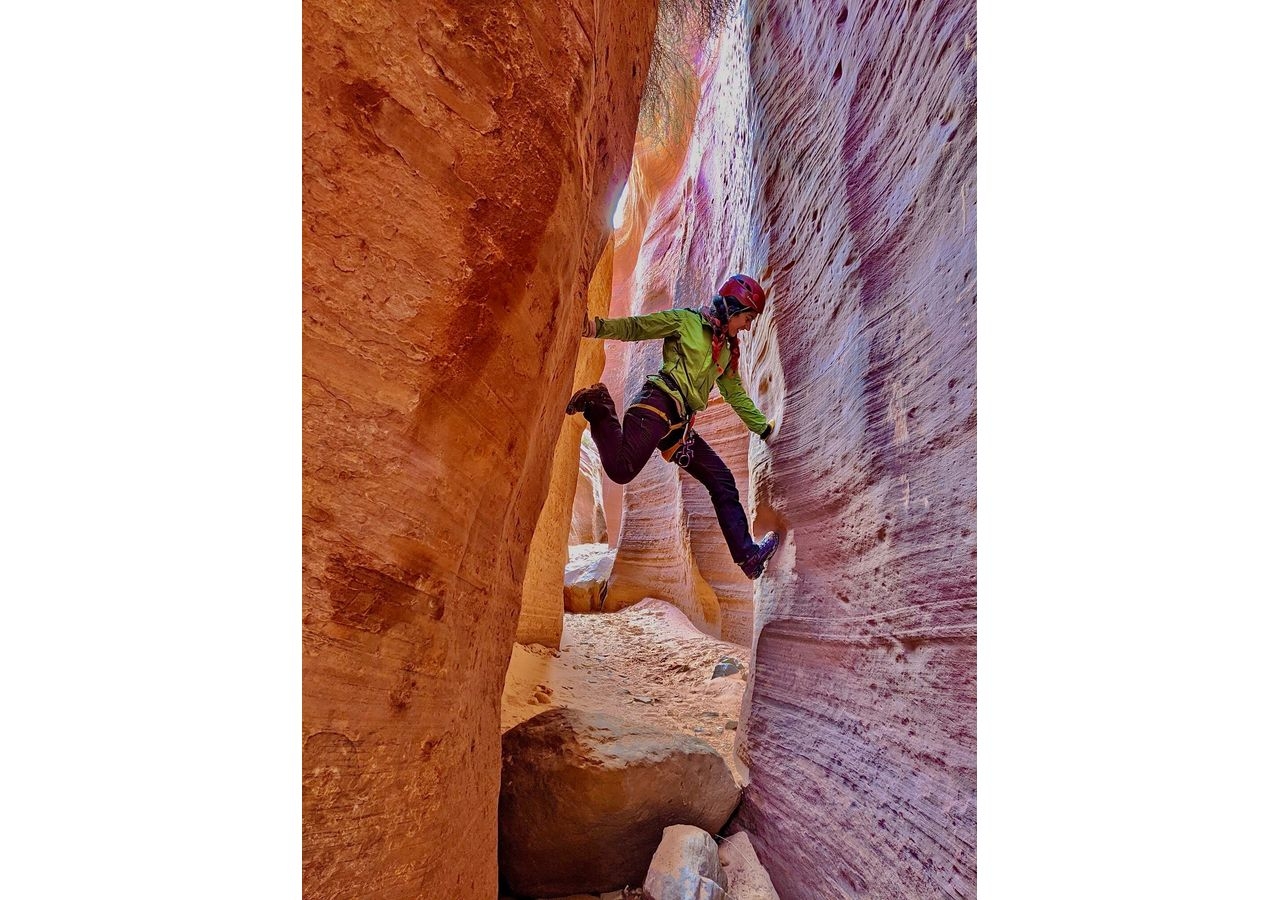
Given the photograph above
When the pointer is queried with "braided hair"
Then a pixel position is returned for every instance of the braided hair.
(717, 315)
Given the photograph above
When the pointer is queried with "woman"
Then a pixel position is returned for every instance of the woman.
(699, 350)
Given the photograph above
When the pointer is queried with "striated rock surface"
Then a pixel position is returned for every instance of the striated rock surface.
(588, 525)
(833, 155)
(655, 555)
(720, 427)
(585, 797)
(685, 866)
(459, 165)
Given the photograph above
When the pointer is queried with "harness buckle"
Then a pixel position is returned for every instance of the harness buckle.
(684, 455)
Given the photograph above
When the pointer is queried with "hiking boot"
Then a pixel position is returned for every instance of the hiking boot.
(753, 565)
(597, 393)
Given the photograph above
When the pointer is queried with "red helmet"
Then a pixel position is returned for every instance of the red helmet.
(746, 290)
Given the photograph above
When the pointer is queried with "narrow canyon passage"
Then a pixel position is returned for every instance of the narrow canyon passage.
(461, 172)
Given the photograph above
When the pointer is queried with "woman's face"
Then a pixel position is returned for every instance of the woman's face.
(740, 322)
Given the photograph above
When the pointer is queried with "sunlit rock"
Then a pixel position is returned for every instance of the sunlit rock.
(586, 577)
(588, 525)
(686, 867)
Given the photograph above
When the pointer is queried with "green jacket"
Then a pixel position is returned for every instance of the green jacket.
(686, 358)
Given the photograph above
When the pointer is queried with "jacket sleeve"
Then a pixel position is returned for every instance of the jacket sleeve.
(640, 328)
(733, 393)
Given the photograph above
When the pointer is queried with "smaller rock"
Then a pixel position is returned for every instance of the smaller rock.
(639, 699)
(542, 696)
(586, 577)
(731, 725)
(727, 666)
(686, 866)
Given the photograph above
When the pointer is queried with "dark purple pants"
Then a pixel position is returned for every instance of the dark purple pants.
(626, 446)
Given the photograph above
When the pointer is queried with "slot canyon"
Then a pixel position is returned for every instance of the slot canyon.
(476, 591)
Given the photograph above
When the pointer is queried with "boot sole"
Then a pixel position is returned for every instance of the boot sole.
(764, 562)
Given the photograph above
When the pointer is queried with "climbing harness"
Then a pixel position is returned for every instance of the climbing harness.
(679, 451)
(677, 444)
(684, 452)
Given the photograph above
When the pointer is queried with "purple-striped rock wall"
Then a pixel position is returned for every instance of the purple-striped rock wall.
(834, 157)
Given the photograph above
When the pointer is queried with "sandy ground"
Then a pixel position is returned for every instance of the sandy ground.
(646, 663)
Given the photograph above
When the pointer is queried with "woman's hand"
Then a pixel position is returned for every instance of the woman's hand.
(589, 326)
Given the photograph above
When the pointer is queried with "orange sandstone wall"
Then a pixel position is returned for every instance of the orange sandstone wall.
(459, 163)
(834, 156)
(542, 608)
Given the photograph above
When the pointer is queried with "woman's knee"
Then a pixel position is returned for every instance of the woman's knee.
(621, 471)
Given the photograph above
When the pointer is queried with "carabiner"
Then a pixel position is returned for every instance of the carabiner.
(684, 455)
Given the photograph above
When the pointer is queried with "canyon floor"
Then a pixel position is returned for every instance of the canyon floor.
(647, 663)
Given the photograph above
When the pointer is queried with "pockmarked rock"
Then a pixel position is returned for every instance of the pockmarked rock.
(686, 866)
(858, 218)
(748, 879)
(585, 798)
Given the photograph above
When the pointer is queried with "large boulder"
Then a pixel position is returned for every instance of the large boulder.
(748, 879)
(585, 798)
(686, 866)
